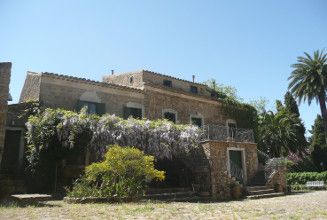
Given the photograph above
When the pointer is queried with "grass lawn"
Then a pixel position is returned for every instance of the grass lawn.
(311, 205)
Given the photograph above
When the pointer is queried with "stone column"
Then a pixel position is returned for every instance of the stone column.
(5, 70)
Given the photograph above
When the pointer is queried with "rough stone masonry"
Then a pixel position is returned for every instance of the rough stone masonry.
(5, 70)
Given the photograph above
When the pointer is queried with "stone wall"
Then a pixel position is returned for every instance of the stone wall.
(57, 91)
(64, 92)
(133, 79)
(5, 71)
(185, 106)
(153, 78)
(31, 88)
(217, 154)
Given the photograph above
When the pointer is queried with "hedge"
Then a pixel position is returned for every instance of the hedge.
(303, 177)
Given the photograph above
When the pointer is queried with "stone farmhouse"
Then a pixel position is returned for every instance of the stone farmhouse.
(230, 150)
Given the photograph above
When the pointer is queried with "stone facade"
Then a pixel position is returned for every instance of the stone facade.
(217, 153)
(146, 78)
(57, 91)
(5, 70)
(146, 92)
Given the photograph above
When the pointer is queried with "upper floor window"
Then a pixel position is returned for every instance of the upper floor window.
(231, 128)
(167, 83)
(198, 121)
(131, 79)
(92, 107)
(170, 115)
(132, 112)
(194, 89)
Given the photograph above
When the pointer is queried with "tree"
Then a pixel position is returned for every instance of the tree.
(259, 104)
(276, 132)
(308, 81)
(292, 108)
(291, 104)
(222, 90)
(318, 145)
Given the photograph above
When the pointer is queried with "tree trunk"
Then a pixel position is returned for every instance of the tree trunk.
(322, 102)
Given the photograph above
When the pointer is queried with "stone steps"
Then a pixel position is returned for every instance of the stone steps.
(151, 191)
(169, 195)
(269, 195)
(261, 192)
(257, 192)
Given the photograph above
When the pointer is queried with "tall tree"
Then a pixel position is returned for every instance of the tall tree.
(291, 104)
(308, 81)
(318, 145)
(292, 108)
(276, 132)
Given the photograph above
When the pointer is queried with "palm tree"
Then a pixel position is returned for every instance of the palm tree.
(276, 132)
(308, 81)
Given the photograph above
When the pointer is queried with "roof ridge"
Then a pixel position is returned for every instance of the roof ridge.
(88, 80)
(160, 74)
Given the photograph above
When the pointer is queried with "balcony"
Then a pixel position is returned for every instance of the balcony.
(225, 133)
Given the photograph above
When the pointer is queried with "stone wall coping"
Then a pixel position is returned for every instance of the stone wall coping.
(227, 142)
(181, 94)
(141, 71)
(87, 81)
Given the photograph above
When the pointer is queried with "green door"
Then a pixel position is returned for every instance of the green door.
(236, 167)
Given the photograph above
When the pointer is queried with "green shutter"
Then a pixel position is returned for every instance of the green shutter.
(101, 108)
(126, 112)
(79, 105)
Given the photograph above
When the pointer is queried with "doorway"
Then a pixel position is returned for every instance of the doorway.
(237, 164)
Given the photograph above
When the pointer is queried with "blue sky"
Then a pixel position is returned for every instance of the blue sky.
(247, 44)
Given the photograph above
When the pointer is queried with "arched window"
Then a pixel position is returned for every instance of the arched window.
(170, 115)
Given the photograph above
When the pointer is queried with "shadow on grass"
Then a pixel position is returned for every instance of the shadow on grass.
(9, 203)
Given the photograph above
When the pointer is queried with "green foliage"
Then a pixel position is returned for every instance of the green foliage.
(291, 107)
(276, 131)
(53, 135)
(259, 104)
(290, 104)
(304, 165)
(233, 107)
(318, 145)
(222, 91)
(282, 132)
(123, 173)
(303, 177)
(308, 80)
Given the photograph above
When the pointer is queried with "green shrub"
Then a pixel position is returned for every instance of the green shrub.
(124, 173)
(303, 177)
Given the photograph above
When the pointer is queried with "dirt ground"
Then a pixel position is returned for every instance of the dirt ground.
(310, 205)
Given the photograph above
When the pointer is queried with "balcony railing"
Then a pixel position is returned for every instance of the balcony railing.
(225, 133)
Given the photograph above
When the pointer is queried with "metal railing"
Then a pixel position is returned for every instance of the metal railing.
(236, 171)
(225, 133)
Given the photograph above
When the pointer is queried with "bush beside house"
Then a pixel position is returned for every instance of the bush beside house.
(124, 173)
(302, 178)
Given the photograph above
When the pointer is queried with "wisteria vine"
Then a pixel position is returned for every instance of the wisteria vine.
(159, 138)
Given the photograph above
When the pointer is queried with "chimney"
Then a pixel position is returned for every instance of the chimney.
(112, 72)
(5, 70)
(193, 77)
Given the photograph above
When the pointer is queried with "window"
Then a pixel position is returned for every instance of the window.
(92, 107)
(170, 116)
(196, 121)
(231, 128)
(167, 83)
(131, 80)
(194, 89)
(132, 112)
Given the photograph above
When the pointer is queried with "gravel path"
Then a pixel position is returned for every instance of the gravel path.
(312, 205)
